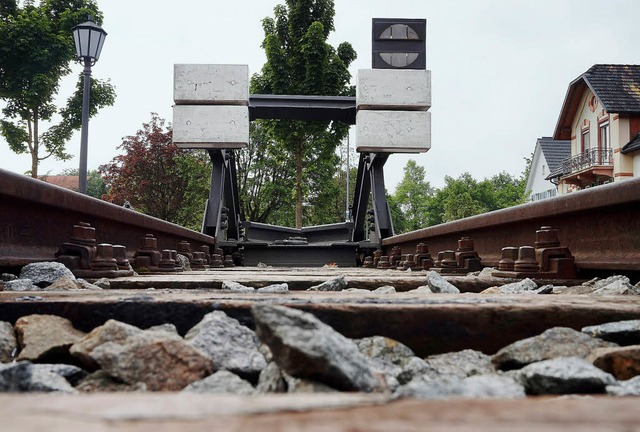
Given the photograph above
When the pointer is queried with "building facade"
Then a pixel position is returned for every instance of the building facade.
(600, 116)
(547, 156)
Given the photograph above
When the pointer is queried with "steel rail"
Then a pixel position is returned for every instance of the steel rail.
(600, 225)
(37, 217)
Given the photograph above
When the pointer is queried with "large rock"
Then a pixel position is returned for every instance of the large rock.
(525, 286)
(615, 285)
(555, 342)
(625, 388)
(45, 337)
(101, 381)
(118, 333)
(621, 332)
(228, 343)
(475, 387)
(221, 382)
(304, 347)
(44, 274)
(21, 285)
(623, 362)
(8, 342)
(564, 375)
(26, 377)
(439, 285)
(64, 283)
(162, 365)
(274, 289)
(237, 287)
(390, 357)
(336, 284)
(461, 364)
(271, 380)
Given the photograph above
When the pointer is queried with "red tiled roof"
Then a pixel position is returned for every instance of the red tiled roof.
(67, 182)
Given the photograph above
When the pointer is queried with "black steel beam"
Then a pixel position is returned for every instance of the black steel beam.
(309, 108)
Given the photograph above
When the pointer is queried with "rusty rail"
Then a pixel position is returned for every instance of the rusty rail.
(37, 217)
(600, 225)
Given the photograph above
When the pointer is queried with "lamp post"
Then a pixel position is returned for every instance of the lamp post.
(89, 38)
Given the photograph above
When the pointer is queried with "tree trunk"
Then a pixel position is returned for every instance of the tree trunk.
(36, 144)
(299, 184)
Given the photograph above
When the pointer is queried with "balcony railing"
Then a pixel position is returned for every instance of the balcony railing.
(586, 159)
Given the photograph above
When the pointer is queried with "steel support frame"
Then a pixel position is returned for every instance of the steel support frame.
(370, 182)
(223, 193)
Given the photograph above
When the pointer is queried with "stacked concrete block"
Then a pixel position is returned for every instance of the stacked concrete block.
(211, 108)
(393, 112)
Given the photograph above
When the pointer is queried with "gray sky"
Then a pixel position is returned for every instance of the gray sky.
(500, 68)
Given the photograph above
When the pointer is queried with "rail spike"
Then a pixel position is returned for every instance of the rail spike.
(463, 260)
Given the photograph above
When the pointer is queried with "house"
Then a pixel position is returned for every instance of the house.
(601, 117)
(547, 157)
(65, 181)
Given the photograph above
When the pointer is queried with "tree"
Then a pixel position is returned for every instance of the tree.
(301, 62)
(158, 178)
(96, 186)
(412, 197)
(37, 48)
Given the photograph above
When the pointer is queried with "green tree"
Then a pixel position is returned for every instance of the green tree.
(96, 186)
(412, 197)
(301, 62)
(158, 178)
(36, 50)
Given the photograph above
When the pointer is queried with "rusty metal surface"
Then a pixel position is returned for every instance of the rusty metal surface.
(36, 218)
(601, 227)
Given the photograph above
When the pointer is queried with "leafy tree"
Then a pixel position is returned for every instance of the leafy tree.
(301, 62)
(412, 196)
(36, 50)
(96, 186)
(158, 178)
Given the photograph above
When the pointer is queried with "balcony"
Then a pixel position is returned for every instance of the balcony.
(589, 168)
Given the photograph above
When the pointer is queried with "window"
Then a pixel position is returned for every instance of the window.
(585, 140)
(604, 143)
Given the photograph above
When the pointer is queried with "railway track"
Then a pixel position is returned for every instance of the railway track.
(36, 218)
(600, 226)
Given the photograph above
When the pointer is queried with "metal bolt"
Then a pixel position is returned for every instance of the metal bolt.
(368, 262)
(438, 262)
(422, 248)
(526, 261)
(120, 254)
(228, 261)
(509, 257)
(104, 259)
(448, 259)
(216, 261)
(184, 246)
(167, 262)
(465, 244)
(547, 237)
(83, 234)
(149, 242)
(383, 263)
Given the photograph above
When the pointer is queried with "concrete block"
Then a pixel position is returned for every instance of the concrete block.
(205, 84)
(210, 126)
(390, 89)
(393, 131)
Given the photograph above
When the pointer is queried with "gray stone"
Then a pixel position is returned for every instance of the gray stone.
(621, 362)
(304, 347)
(523, 286)
(421, 290)
(620, 332)
(44, 274)
(103, 283)
(615, 285)
(6, 277)
(168, 328)
(415, 367)
(461, 364)
(44, 337)
(21, 285)
(271, 380)
(8, 342)
(555, 342)
(236, 287)
(228, 343)
(573, 290)
(625, 388)
(274, 289)
(336, 284)
(89, 286)
(475, 387)
(101, 381)
(24, 377)
(388, 356)
(564, 375)
(356, 290)
(184, 262)
(439, 285)
(73, 374)
(387, 289)
(303, 385)
(221, 382)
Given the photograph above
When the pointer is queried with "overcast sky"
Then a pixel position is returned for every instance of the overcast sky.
(500, 68)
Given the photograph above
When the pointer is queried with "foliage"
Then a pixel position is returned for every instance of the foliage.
(301, 62)
(37, 48)
(411, 198)
(96, 186)
(158, 178)
(416, 205)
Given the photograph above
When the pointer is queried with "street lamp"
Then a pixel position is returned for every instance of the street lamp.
(89, 38)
